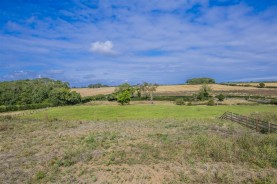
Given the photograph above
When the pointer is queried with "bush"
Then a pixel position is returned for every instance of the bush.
(220, 97)
(189, 104)
(179, 101)
(124, 97)
(211, 102)
(111, 97)
(261, 85)
(86, 99)
(204, 92)
(273, 101)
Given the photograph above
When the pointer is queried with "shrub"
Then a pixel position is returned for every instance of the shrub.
(111, 97)
(189, 104)
(273, 101)
(179, 101)
(220, 97)
(261, 85)
(86, 99)
(124, 97)
(204, 92)
(211, 102)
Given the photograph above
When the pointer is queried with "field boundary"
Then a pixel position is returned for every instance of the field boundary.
(255, 124)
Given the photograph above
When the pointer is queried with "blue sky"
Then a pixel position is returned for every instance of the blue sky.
(116, 41)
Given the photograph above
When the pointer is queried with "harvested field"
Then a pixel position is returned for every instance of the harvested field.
(274, 84)
(180, 90)
(94, 91)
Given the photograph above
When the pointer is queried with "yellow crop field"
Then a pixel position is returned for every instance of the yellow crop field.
(273, 84)
(179, 89)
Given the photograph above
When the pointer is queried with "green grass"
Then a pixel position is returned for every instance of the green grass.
(142, 112)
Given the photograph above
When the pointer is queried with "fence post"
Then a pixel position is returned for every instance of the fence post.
(268, 127)
(256, 125)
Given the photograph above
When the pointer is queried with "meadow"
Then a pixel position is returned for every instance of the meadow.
(148, 143)
(144, 111)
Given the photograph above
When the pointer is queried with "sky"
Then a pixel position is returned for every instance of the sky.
(158, 41)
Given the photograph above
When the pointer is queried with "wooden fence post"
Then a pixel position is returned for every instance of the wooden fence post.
(256, 125)
(268, 127)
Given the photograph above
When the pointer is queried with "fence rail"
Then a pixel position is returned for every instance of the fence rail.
(256, 124)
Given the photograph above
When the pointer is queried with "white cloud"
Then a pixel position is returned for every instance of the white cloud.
(105, 48)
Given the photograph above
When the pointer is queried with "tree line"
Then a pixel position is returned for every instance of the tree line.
(37, 91)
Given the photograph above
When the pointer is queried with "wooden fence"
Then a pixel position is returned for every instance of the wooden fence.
(256, 124)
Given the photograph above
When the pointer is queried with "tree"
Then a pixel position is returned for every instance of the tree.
(148, 89)
(73, 98)
(125, 87)
(204, 92)
(204, 80)
(124, 97)
(98, 85)
(261, 85)
(58, 96)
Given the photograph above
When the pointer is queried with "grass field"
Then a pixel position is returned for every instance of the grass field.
(136, 144)
(140, 112)
(177, 90)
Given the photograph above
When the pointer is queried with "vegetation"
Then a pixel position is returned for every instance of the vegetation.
(220, 97)
(144, 112)
(179, 101)
(204, 92)
(194, 81)
(98, 85)
(261, 85)
(148, 89)
(124, 97)
(211, 102)
(136, 144)
(146, 143)
(37, 91)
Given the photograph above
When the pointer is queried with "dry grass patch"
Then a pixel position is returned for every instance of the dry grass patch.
(146, 151)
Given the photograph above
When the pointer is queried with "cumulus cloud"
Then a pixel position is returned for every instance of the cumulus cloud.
(104, 48)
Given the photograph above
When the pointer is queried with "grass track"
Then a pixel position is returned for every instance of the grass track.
(132, 112)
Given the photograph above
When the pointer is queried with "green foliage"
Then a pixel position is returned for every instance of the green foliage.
(273, 101)
(34, 94)
(125, 87)
(194, 81)
(24, 107)
(204, 92)
(98, 85)
(220, 97)
(124, 97)
(111, 97)
(211, 102)
(261, 85)
(179, 101)
(24, 92)
(63, 96)
(40, 175)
